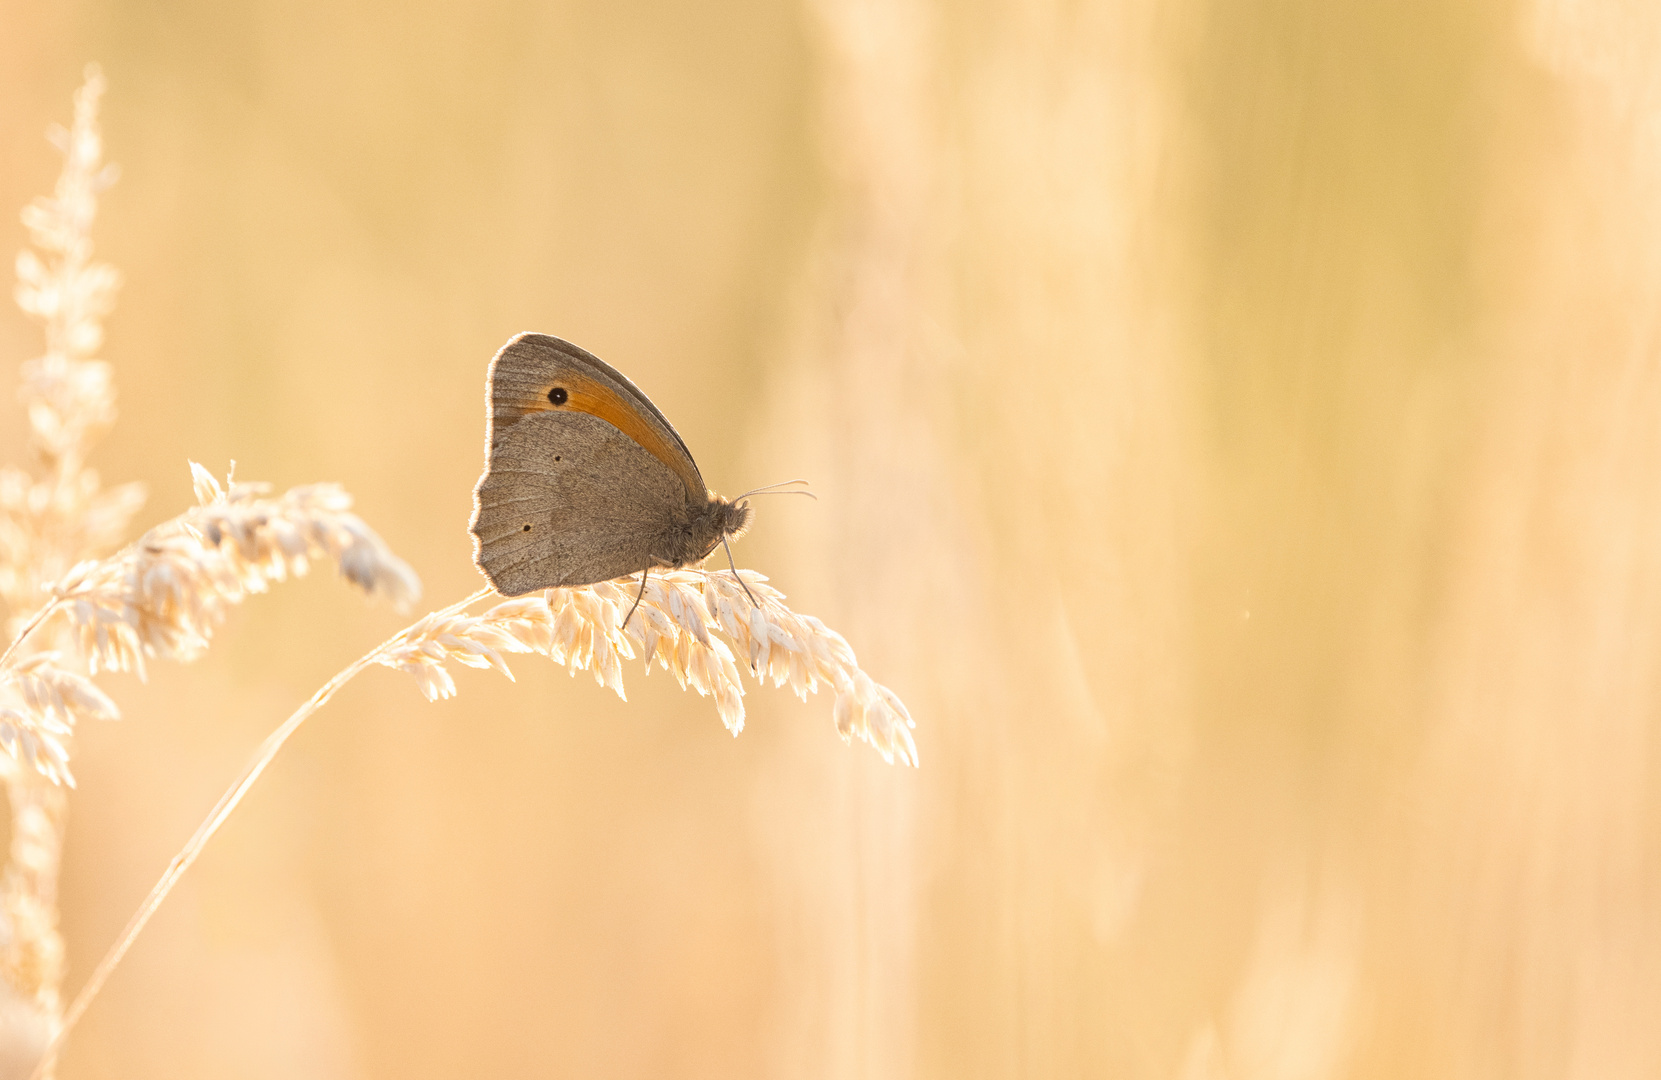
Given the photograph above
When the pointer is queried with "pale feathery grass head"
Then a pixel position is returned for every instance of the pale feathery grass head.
(50, 522)
(52, 516)
(166, 594)
(66, 290)
(698, 625)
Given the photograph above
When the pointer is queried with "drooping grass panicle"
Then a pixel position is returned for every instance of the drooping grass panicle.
(166, 594)
(698, 625)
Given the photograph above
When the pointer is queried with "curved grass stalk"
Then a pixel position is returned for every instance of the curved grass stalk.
(222, 810)
(699, 625)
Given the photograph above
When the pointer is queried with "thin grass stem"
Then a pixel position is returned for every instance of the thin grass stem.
(221, 811)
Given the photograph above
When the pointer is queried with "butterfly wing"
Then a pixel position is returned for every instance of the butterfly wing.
(568, 499)
(537, 373)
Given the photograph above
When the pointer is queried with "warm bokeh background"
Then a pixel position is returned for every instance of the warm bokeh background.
(1238, 434)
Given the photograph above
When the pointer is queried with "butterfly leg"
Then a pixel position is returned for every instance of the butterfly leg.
(735, 573)
(637, 597)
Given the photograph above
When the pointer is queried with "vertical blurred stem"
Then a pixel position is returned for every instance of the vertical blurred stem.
(69, 401)
(31, 948)
(33, 953)
(995, 373)
(867, 309)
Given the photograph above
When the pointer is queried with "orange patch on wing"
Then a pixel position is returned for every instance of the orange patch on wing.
(596, 399)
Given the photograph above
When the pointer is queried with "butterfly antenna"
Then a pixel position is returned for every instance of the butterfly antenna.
(779, 489)
(735, 572)
(637, 597)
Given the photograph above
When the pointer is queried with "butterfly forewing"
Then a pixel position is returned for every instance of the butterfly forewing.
(531, 367)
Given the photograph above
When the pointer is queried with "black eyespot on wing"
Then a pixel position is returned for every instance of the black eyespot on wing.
(556, 457)
(558, 395)
(527, 528)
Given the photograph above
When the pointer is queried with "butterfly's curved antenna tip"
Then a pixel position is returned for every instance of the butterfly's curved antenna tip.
(787, 487)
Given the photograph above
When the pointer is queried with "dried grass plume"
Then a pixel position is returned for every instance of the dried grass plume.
(697, 625)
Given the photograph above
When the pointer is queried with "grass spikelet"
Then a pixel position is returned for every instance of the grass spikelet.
(40, 703)
(472, 641)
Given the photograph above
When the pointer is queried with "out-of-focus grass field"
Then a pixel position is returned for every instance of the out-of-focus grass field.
(1237, 428)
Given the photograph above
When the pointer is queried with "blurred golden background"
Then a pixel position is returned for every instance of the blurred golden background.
(1236, 433)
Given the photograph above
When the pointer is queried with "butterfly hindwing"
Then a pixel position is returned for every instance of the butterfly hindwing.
(568, 499)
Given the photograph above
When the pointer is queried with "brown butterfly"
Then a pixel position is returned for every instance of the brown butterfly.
(584, 479)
